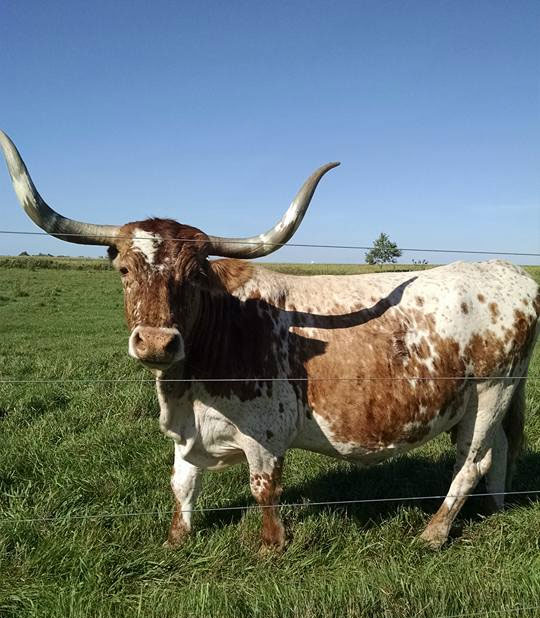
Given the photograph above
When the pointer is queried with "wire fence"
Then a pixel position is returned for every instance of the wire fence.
(302, 245)
(284, 379)
(250, 507)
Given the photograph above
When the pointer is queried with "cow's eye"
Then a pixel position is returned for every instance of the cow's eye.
(123, 271)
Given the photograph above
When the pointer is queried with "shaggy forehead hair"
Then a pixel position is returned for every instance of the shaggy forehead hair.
(160, 245)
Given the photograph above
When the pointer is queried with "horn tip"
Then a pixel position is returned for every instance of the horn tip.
(331, 165)
(4, 136)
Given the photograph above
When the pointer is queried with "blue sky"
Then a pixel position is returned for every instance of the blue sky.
(214, 113)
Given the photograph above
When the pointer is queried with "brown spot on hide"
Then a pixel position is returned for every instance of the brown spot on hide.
(481, 298)
(494, 311)
(419, 301)
(522, 333)
(486, 352)
(464, 308)
(400, 349)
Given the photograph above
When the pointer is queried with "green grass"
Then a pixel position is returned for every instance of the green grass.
(87, 448)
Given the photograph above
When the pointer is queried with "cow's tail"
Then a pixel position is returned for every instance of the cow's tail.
(513, 425)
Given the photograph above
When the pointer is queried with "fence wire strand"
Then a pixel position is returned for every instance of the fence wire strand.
(487, 612)
(250, 507)
(227, 380)
(302, 245)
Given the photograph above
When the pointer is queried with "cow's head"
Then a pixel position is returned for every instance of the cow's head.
(159, 260)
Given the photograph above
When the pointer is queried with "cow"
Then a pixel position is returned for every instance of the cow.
(249, 363)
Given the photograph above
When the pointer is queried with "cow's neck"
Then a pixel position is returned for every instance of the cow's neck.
(227, 338)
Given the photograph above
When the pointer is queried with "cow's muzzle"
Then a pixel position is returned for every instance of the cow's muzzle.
(157, 348)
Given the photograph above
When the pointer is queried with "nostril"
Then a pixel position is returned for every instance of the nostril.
(139, 341)
(172, 346)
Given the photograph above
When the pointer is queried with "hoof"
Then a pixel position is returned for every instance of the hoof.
(433, 539)
(175, 542)
(172, 546)
(490, 505)
(273, 549)
(273, 538)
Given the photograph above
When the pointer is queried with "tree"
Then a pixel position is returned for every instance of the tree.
(383, 251)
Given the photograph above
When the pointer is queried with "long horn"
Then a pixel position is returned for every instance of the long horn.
(274, 238)
(44, 216)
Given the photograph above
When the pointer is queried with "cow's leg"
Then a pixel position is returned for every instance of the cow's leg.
(265, 483)
(470, 469)
(514, 425)
(477, 439)
(185, 483)
(507, 447)
(496, 475)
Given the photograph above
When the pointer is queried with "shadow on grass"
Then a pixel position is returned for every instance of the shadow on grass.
(405, 477)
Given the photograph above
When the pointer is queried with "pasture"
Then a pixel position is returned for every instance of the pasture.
(85, 501)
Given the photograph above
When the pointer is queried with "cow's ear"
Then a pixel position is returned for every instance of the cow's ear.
(196, 271)
(227, 275)
(191, 264)
(112, 252)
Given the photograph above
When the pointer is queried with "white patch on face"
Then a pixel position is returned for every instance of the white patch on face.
(146, 243)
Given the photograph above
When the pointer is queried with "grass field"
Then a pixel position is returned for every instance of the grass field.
(73, 449)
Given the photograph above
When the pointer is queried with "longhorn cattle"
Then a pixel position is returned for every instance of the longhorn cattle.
(360, 367)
